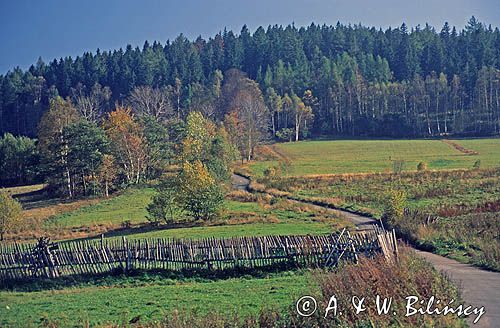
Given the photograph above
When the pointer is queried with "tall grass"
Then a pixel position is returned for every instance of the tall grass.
(466, 202)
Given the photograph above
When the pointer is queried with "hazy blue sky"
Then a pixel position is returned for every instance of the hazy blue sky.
(57, 28)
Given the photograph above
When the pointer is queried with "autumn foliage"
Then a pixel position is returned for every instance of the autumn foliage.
(128, 145)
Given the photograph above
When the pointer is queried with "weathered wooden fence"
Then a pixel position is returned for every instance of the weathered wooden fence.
(19, 261)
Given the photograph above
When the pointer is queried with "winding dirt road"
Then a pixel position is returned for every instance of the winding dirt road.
(479, 287)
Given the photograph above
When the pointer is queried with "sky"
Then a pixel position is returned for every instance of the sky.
(58, 28)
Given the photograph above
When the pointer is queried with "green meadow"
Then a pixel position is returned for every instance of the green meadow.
(368, 156)
(151, 300)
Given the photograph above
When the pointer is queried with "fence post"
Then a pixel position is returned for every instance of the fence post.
(126, 249)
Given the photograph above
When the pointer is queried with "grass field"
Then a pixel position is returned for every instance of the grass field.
(73, 307)
(150, 298)
(355, 156)
(243, 215)
(128, 206)
(125, 214)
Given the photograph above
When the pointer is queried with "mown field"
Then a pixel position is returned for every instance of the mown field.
(464, 203)
(369, 156)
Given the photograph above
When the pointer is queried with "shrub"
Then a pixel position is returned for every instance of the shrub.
(127, 224)
(163, 207)
(198, 192)
(10, 214)
(395, 204)
(410, 275)
(422, 166)
(270, 172)
(285, 134)
(205, 203)
(398, 166)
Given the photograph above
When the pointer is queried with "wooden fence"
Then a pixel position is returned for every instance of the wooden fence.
(51, 260)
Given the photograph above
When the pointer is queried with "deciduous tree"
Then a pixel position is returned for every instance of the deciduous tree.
(153, 102)
(127, 143)
(53, 146)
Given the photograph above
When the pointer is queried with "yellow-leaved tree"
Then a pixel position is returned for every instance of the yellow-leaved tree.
(127, 143)
(199, 193)
(199, 134)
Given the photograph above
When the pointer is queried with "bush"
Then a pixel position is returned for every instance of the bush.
(395, 205)
(127, 224)
(285, 134)
(198, 192)
(270, 172)
(422, 166)
(274, 172)
(10, 214)
(163, 207)
(398, 166)
(410, 275)
(205, 203)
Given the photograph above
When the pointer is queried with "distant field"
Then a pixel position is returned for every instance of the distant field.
(354, 156)
(24, 189)
(467, 203)
(74, 307)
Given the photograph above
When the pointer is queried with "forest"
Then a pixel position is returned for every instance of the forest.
(364, 81)
(282, 83)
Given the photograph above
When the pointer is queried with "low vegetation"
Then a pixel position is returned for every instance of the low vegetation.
(10, 214)
(453, 213)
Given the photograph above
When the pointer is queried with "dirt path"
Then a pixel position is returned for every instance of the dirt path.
(479, 287)
(239, 182)
(460, 148)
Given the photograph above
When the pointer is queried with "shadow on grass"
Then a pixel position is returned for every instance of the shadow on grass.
(142, 277)
(141, 228)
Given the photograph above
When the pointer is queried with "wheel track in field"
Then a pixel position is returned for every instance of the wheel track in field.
(479, 287)
(455, 145)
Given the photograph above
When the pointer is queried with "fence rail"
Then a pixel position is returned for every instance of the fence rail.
(51, 260)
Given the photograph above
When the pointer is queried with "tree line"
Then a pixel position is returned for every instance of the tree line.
(365, 81)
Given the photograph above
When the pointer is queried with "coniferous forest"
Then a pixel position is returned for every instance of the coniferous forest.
(361, 81)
